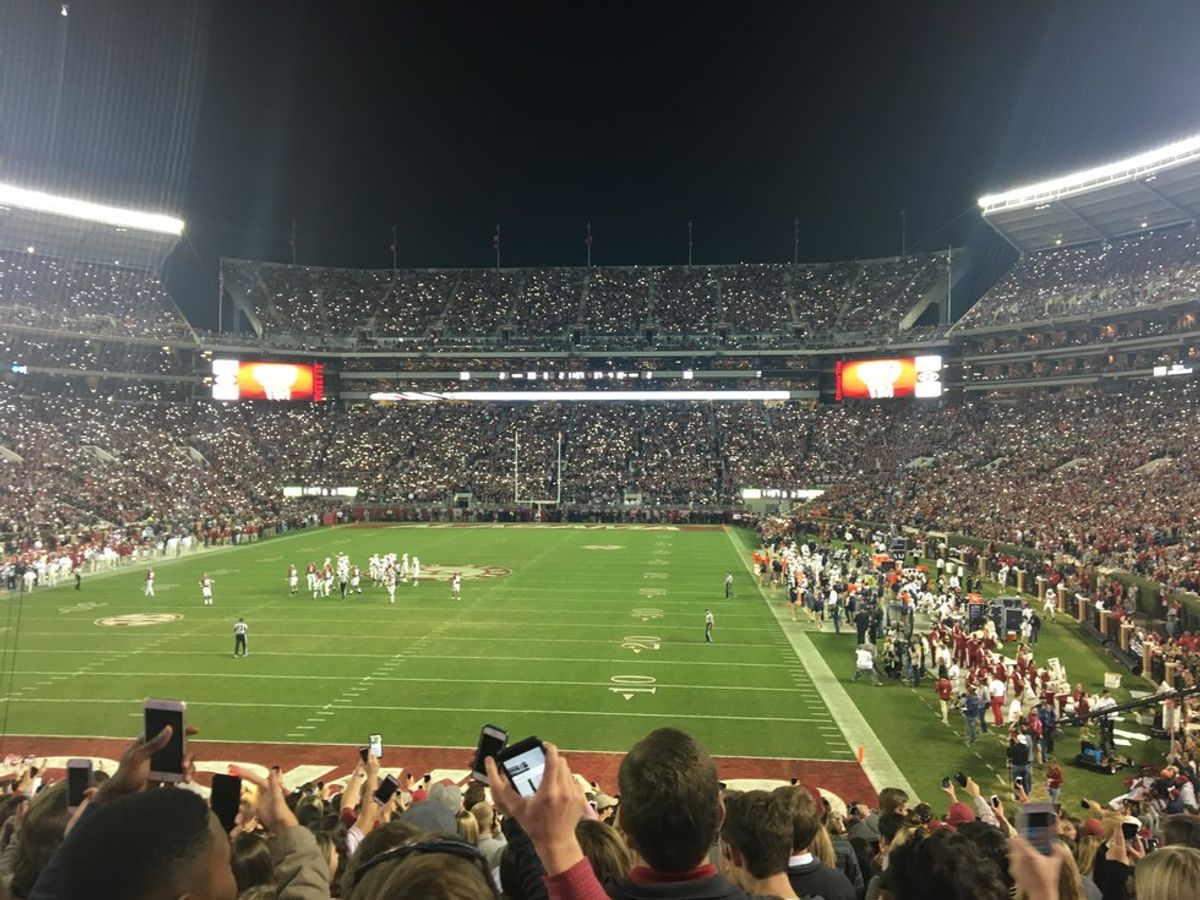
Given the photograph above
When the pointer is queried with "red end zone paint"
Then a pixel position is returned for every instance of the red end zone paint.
(333, 762)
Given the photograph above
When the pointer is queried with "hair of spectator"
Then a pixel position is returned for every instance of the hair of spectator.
(392, 834)
(251, 862)
(427, 874)
(41, 834)
(1168, 873)
(945, 865)
(1181, 829)
(891, 799)
(806, 818)
(146, 844)
(670, 800)
(468, 827)
(605, 850)
(759, 826)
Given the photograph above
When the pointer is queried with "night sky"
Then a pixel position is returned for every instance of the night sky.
(445, 118)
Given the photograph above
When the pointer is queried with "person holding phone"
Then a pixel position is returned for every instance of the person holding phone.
(670, 813)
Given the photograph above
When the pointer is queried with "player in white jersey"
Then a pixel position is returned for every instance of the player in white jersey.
(355, 580)
(148, 590)
(293, 580)
(389, 581)
(374, 569)
(404, 568)
(327, 580)
(206, 584)
(456, 587)
(416, 570)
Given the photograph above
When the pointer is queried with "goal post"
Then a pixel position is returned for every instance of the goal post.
(537, 502)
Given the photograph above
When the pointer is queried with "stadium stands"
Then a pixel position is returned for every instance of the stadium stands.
(1149, 268)
(609, 304)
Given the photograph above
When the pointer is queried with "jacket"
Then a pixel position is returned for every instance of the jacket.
(300, 868)
(817, 879)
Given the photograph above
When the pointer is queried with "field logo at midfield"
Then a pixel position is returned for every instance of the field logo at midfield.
(445, 573)
(138, 620)
(603, 547)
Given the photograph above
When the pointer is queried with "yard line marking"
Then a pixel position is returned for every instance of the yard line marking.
(641, 660)
(878, 764)
(451, 709)
(421, 680)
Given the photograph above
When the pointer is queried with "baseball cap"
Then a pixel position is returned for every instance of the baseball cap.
(604, 801)
(1093, 827)
(959, 814)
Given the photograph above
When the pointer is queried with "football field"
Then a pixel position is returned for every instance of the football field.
(588, 636)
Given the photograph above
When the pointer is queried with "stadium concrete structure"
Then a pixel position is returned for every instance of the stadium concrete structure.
(444, 389)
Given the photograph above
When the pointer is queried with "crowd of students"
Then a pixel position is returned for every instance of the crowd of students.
(671, 829)
(602, 302)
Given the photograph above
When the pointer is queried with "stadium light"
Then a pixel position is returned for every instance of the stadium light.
(38, 201)
(598, 396)
(1122, 170)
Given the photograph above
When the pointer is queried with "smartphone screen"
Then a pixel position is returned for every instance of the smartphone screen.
(1129, 830)
(385, 790)
(168, 761)
(1036, 824)
(226, 799)
(491, 741)
(79, 779)
(525, 766)
(376, 745)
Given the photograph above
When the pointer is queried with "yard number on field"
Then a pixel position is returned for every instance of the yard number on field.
(646, 613)
(628, 685)
(639, 642)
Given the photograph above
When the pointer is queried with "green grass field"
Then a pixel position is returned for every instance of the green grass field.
(594, 638)
(587, 636)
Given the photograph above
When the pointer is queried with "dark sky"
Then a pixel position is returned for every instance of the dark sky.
(446, 117)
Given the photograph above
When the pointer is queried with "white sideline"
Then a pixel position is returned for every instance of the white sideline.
(877, 763)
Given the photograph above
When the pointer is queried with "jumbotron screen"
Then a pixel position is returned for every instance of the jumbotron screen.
(234, 379)
(875, 379)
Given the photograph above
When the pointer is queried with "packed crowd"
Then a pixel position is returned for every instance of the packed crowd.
(1153, 267)
(670, 829)
(1099, 478)
(86, 298)
(679, 302)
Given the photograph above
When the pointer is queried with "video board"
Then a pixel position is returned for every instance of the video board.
(234, 379)
(878, 379)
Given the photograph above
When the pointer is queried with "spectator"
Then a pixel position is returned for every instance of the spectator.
(807, 874)
(756, 840)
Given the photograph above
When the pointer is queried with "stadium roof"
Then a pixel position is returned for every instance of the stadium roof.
(1154, 189)
(72, 228)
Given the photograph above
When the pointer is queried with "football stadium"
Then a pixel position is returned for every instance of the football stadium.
(445, 556)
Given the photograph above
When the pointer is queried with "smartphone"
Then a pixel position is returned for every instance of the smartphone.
(523, 763)
(363, 752)
(961, 779)
(491, 741)
(995, 800)
(1035, 823)
(945, 783)
(375, 743)
(79, 779)
(1084, 804)
(1130, 830)
(226, 799)
(167, 763)
(386, 788)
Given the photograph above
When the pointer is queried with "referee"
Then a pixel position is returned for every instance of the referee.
(239, 638)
